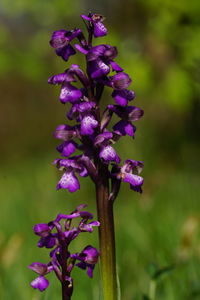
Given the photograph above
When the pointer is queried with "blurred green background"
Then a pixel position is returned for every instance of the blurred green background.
(159, 46)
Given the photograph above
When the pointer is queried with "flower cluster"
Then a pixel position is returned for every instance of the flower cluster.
(92, 137)
(57, 237)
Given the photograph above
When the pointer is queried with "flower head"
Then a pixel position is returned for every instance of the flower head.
(91, 133)
(64, 233)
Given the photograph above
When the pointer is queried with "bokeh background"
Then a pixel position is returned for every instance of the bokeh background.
(159, 46)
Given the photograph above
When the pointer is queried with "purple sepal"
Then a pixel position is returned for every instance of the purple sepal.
(120, 81)
(65, 132)
(115, 66)
(57, 79)
(80, 74)
(131, 165)
(81, 49)
(88, 227)
(103, 138)
(48, 242)
(129, 113)
(88, 258)
(108, 154)
(124, 127)
(90, 255)
(40, 283)
(60, 42)
(97, 68)
(126, 174)
(42, 229)
(123, 96)
(99, 28)
(59, 38)
(97, 21)
(67, 148)
(39, 268)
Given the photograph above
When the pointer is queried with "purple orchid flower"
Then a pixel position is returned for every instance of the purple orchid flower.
(93, 135)
(62, 261)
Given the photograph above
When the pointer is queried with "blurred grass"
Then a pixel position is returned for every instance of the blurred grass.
(149, 228)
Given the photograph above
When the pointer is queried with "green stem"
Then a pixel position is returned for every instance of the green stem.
(106, 236)
(152, 289)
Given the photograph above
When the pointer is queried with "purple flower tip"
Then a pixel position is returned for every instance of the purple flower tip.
(40, 283)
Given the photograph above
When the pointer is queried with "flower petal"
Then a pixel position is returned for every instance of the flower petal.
(42, 229)
(69, 93)
(108, 154)
(98, 68)
(39, 268)
(99, 29)
(67, 148)
(40, 283)
(123, 96)
(68, 181)
(65, 52)
(120, 81)
(124, 127)
(134, 180)
(88, 124)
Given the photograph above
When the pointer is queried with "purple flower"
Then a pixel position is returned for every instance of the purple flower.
(128, 113)
(120, 81)
(68, 181)
(99, 58)
(40, 283)
(66, 132)
(67, 148)
(123, 96)
(88, 258)
(60, 257)
(108, 154)
(97, 22)
(60, 42)
(129, 173)
(69, 93)
(97, 68)
(42, 230)
(124, 127)
(88, 124)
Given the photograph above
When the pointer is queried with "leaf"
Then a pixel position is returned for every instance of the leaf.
(155, 272)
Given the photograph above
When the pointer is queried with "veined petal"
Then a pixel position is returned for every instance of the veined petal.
(59, 39)
(108, 154)
(68, 181)
(39, 268)
(65, 132)
(69, 93)
(99, 29)
(120, 81)
(88, 124)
